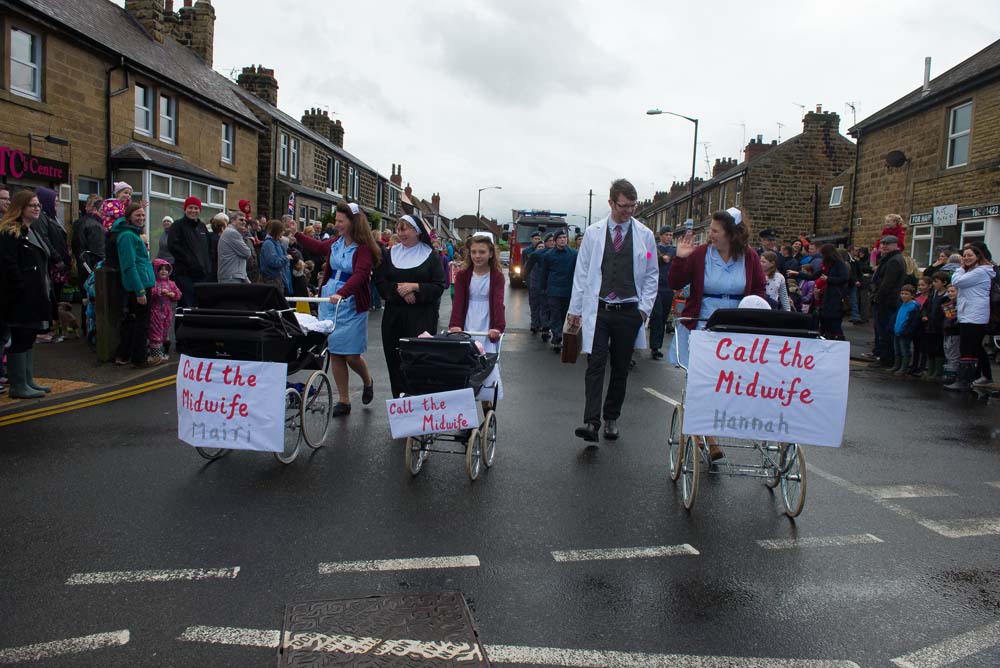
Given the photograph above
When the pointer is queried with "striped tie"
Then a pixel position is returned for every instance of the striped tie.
(618, 241)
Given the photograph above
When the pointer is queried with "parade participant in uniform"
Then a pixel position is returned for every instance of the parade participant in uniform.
(24, 291)
(478, 305)
(536, 239)
(411, 281)
(557, 268)
(614, 288)
(537, 302)
(720, 273)
(660, 317)
(347, 281)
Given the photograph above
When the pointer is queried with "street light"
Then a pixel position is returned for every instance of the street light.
(694, 156)
(479, 197)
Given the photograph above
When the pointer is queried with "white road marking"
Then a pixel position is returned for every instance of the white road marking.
(550, 656)
(819, 541)
(419, 563)
(995, 484)
(909, 492)
(662, 397)
(340, 644)
(952, 650)
(45, 650)
(625, 553)
(498, 653)
(948, 529)
(119, 577)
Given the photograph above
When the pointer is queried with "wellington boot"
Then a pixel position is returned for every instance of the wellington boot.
(966, 374)
(902, 367)
(19, 388)
(29, 372)
(934, 368)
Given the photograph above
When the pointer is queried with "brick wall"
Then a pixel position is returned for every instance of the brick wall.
(835, 220)
(924, 182)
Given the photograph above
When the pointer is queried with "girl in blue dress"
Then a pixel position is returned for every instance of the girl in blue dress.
(346, 282)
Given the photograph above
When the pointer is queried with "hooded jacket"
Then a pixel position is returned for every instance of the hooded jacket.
(133, 259)
(188, 242)
(974, 293)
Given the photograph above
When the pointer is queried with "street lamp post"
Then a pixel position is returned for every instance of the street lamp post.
(694, 153)
(479, 197)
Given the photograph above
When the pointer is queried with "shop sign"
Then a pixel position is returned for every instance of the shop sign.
(980, 211)
(946, 216)
(921, 218)
(18, 164)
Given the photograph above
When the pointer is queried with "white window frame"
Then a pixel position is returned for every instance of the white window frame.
(228, 142)
(723, 187)
(283, 154)
(353, 182)
(836, 196)
(739, 190)
(293, 159)
(168, 121)
(95, 187)
(972, 235)
(337, 174)
(393, 200)
(146, 111)
(35, 65)
(330, 184)
(303, 215)
(379, 194)
(952, 135)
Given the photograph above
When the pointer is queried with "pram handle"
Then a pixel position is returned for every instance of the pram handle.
(309, 300)
(486, 334)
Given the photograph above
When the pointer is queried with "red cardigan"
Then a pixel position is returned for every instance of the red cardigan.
(691, 270)
(460, 302)
(359, 284)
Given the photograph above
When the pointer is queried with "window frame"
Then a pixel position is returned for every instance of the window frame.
(353, 182)
(147, 110)
(283, 154)
(836, 196)
(36, 65)
(293, 158)
(329, 172)
(954, 136)
(170, 121)
(228, 139)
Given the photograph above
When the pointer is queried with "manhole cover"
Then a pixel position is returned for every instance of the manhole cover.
(411, 630)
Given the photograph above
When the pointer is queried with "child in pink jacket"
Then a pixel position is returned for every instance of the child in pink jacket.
(166, 294)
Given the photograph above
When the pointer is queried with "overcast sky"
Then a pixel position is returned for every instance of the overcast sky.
(547, 99)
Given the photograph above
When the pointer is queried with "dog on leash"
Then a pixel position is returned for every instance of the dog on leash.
(68, 322)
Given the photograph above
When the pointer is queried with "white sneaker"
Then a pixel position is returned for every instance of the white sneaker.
(982, 380)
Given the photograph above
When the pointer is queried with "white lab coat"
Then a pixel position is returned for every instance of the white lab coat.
(587, 277)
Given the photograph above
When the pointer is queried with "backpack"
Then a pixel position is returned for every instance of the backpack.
(993, 326)
(111, 249)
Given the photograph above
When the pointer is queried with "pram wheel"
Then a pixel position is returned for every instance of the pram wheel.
(474, 454)
(690, 459)
(792, 470)
(293, 427)
(317, 406)
(675, 443)
(212, 453)
(774, 470)
(415, 454)
(489, 439)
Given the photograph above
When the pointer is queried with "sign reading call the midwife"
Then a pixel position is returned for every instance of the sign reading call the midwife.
(773, 388)
(231, 404)
(432, 413)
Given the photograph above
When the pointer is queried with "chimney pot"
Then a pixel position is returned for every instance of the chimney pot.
(927, 77)
(819, 108)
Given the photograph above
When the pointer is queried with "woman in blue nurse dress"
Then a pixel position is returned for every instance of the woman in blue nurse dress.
(347, 285)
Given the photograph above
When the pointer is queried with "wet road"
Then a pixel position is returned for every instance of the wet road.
(892, 563)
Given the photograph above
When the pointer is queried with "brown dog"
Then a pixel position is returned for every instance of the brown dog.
(67, 321)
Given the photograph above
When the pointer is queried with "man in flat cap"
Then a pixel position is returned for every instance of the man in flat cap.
(886, 282)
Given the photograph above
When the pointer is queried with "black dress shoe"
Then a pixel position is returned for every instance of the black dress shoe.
(368, 393)
(545, 335)
(587, 432)
(340, 409)
(657, 355)
(611, 430)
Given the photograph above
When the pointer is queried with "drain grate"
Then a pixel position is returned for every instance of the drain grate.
(411, 630)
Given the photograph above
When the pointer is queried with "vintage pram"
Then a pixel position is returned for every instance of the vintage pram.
(255, 322)
(780, 463)
(450, 361)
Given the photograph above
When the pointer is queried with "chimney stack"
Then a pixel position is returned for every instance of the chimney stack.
(149, 14)
(318, 121)
(337, 133)
(822, 121)
(397, 176)
(260, 81)
(436, 202)
(756, 148)
(927, 77)
(195, 28)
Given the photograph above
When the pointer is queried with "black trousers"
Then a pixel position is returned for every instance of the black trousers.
(659, 317)
(400, 321)
(885, 321)
(614, 337)
(970, 345)
(134, 343)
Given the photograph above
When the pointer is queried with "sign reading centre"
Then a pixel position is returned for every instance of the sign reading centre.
(431, 413)
(774, 388)
(231, 404)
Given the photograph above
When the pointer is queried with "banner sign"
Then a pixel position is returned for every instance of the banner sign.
(231, 404)
(945, 216)
(431, 413)
(773, 388)
(17, 164)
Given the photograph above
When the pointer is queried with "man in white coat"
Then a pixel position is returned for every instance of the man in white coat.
(614, 287)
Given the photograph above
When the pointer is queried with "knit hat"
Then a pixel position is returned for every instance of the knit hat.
(192, 200)
(120, 186)
(244, 206)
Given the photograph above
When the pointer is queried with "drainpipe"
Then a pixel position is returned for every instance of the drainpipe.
(107, 115)
(854, 191)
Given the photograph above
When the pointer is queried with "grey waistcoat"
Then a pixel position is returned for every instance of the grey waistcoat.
(616, 268)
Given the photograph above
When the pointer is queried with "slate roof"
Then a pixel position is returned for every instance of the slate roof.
(135, 154)
(108, 26)
(291, 123)
(971, 73)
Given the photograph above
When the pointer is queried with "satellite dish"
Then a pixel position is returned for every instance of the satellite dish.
(896, 159)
